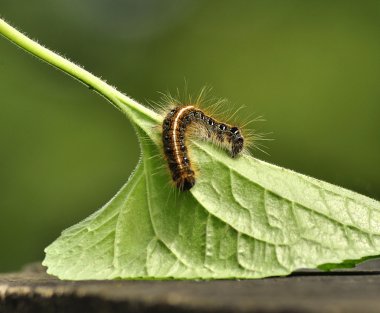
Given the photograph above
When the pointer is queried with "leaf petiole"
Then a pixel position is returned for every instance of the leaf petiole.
(130, 107)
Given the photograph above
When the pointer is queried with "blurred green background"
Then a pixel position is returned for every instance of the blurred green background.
(311, 68)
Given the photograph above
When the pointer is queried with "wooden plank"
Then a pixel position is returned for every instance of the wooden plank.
(32, 290)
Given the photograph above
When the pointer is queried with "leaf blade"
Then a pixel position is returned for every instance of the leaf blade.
(243, 219)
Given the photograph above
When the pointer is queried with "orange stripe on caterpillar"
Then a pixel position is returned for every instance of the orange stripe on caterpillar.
(174, 132)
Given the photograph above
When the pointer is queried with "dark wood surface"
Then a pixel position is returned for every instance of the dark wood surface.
(358, 290)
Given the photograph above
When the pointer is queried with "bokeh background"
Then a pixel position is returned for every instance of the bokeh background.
(311, 68)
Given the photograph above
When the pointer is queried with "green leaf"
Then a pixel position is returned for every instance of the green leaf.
(244, 218)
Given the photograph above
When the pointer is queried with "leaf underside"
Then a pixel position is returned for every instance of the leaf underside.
(244, 218)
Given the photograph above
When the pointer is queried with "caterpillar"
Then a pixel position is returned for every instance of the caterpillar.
(174, 132)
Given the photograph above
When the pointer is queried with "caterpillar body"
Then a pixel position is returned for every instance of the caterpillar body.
(175, 128)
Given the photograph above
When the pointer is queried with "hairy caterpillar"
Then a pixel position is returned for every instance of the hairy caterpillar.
(174, 131)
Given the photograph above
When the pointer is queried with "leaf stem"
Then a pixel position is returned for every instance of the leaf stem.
(120, 100)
